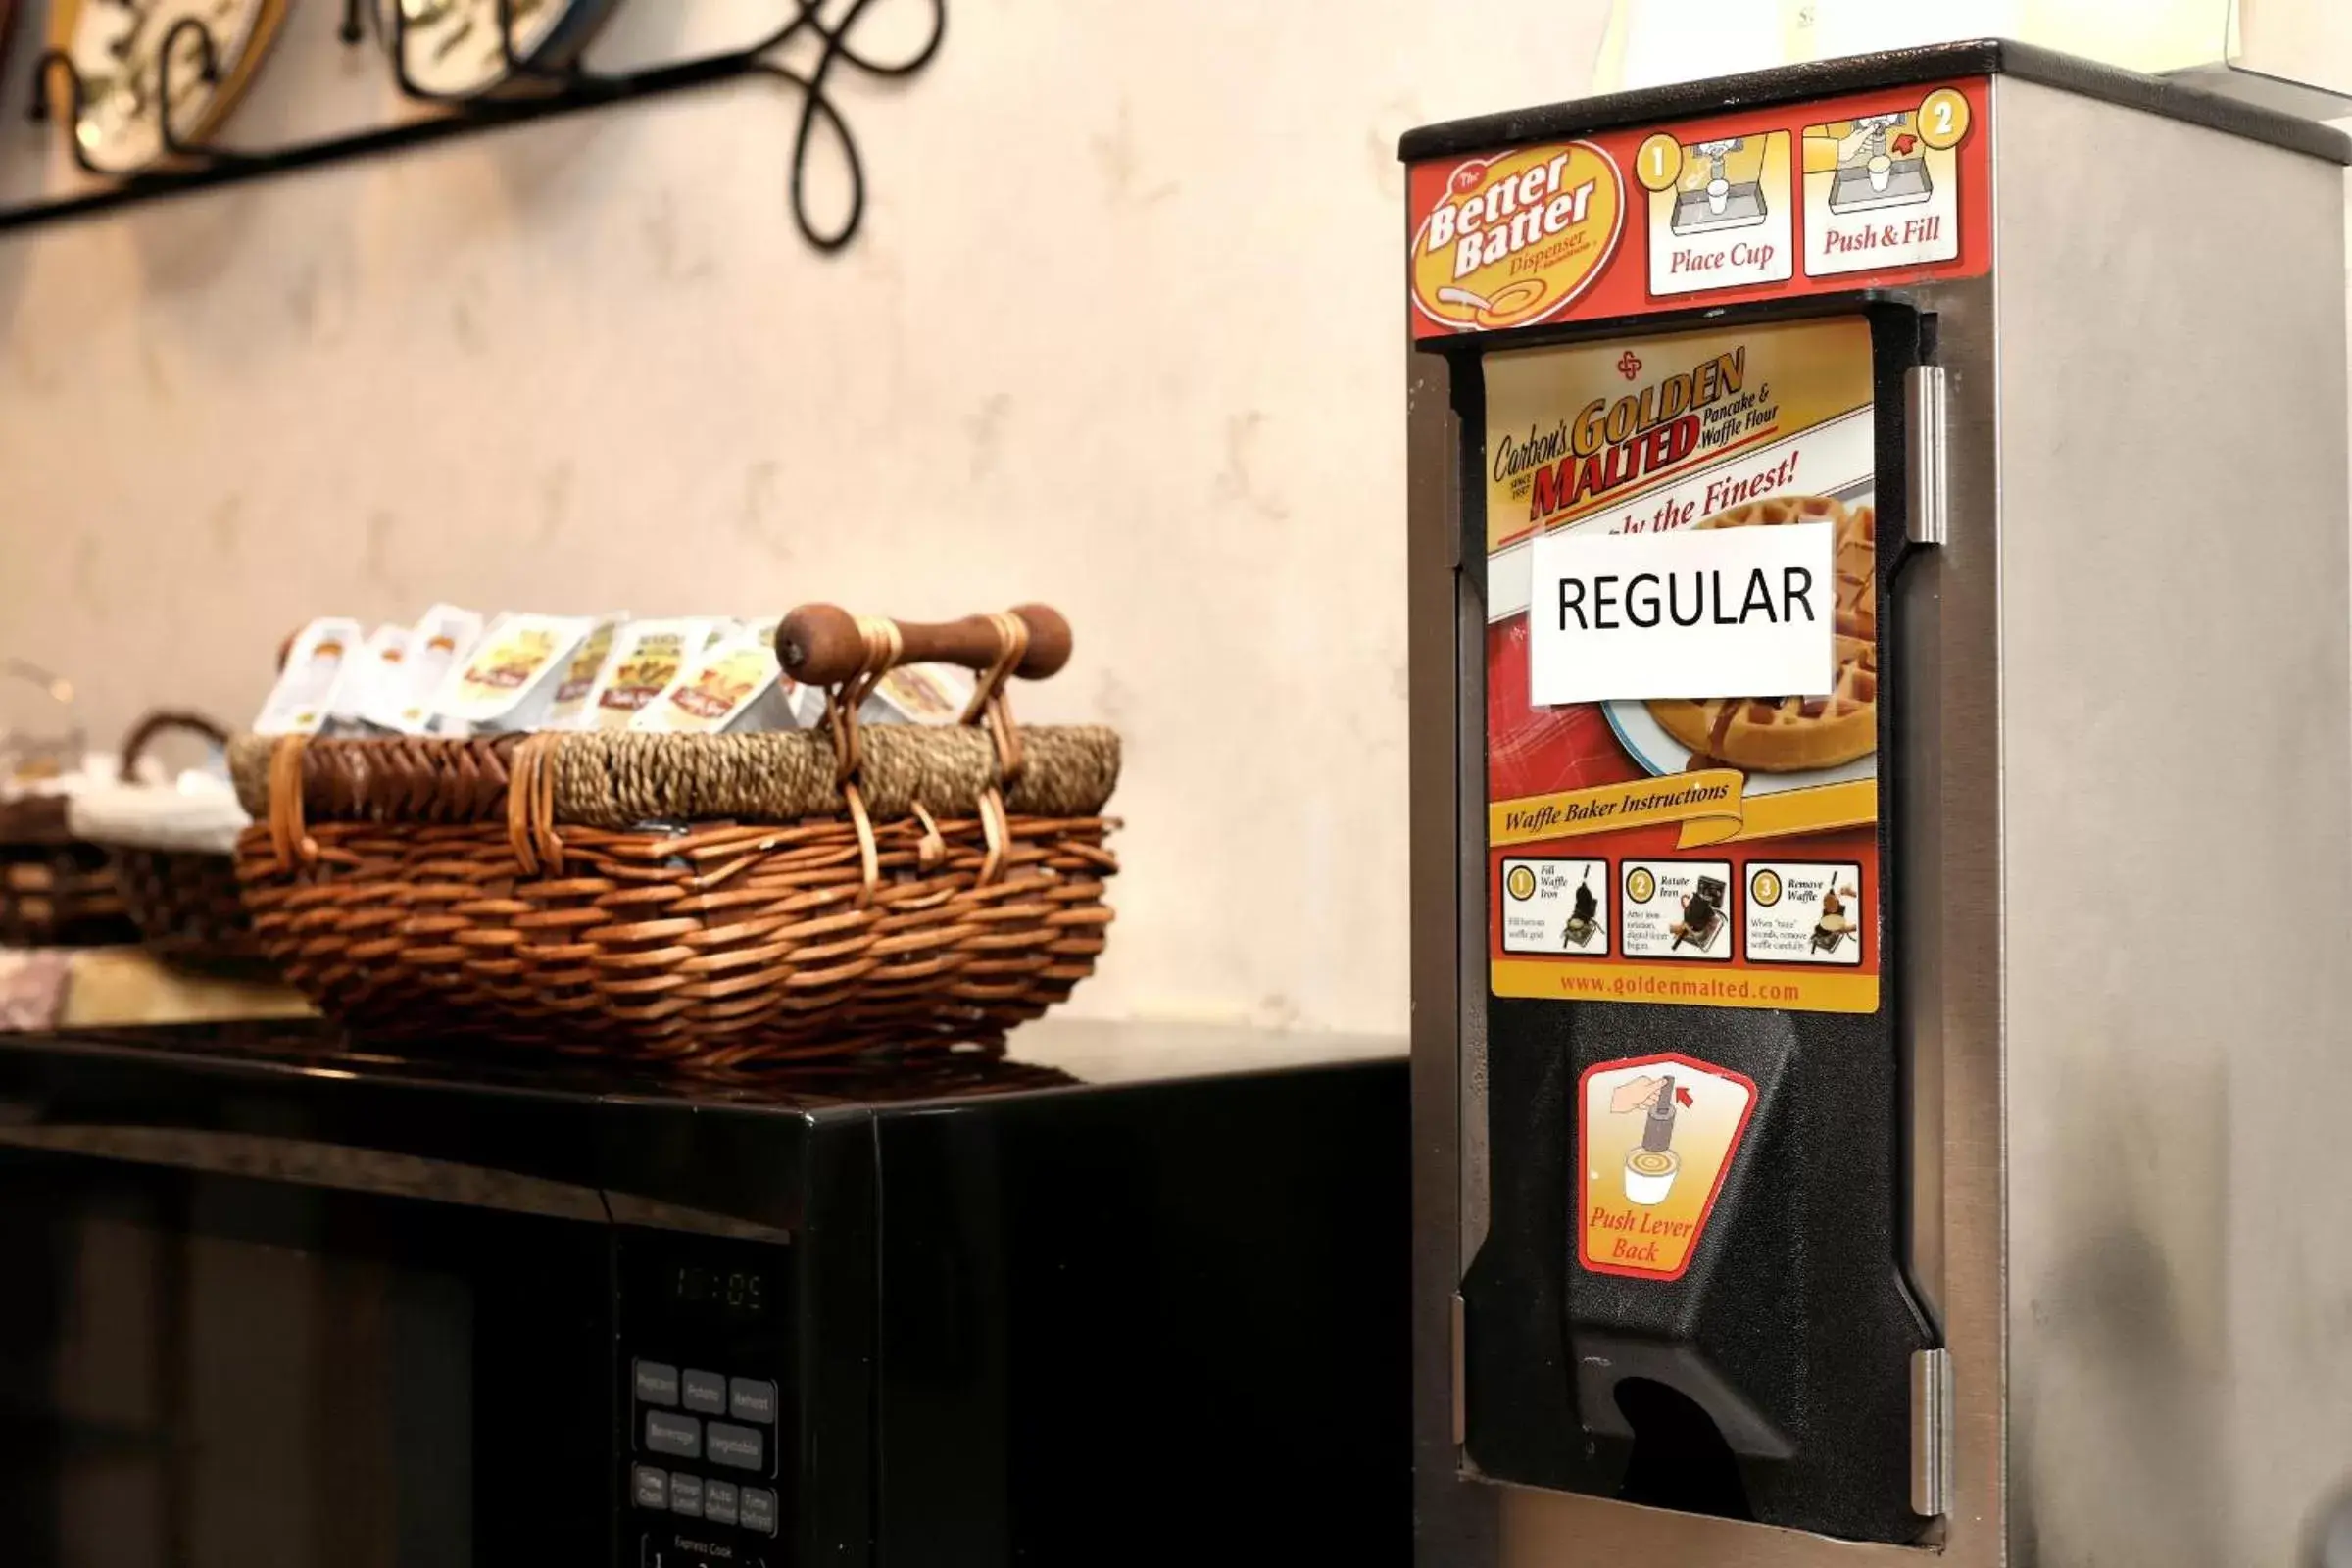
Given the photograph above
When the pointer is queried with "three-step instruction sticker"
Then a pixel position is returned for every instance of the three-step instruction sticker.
(1556, 906)
(1656, 1136)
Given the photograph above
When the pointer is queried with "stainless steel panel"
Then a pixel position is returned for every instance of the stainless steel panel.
(1453, 1518)
(1946, 790)
(2178, 763)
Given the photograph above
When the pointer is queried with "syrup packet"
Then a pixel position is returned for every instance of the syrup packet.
(911, 694)
(369, 677)
(305, 693)
(735, 687)
(509, 680)
(569, 707)
(442, 638)
(647, 657)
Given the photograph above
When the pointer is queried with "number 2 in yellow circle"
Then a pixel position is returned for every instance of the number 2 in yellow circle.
(1942, 117)
(1658, 163)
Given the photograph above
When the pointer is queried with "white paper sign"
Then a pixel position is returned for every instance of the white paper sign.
(1699, 613)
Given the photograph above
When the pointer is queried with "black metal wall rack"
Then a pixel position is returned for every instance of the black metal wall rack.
(533, 91)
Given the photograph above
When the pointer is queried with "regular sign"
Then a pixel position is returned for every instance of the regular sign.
(1699, 613)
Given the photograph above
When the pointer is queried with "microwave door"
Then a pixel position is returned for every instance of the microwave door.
(228, 1351)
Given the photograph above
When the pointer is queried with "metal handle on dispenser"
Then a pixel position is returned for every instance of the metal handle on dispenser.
(1924, 517)
(1931, 1433)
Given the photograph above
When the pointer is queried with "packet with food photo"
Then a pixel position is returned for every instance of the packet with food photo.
(735, 687)
(646, 656)
(911, 694)
(569, 706)
(443, 636)
(509, 680)
(305, 693)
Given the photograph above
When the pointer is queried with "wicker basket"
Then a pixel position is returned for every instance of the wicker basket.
(727, 901)
(55, 890)
(186, 903)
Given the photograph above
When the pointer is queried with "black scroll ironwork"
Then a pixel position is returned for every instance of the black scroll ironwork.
(533, 88)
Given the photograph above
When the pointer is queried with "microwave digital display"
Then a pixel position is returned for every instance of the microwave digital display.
(731, 1294)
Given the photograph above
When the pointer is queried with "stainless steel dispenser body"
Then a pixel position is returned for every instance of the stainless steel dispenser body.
(2117, 799)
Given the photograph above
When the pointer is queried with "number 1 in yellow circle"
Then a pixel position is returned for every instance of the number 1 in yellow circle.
(1658, 163)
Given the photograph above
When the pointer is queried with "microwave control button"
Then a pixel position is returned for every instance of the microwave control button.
(706, 1394)
(651, 1486)
(686, 1496)
(737, 1447)
(680, 1437)
(658, 1384)
(750, 1399)
(719, 1501)
(760, 1510)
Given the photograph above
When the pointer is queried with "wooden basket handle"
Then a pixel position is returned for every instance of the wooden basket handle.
(161, 720)
(821, 645)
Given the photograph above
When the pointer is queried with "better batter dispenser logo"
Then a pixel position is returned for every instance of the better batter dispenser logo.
(1514, 238)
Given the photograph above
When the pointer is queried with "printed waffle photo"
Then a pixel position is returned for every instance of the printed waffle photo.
(1660, 438)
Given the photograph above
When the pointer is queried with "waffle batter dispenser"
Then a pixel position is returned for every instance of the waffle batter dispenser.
(1844, 601)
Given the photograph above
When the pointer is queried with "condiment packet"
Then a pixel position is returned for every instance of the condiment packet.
(647, 655)
(735, 687)
(911, 694)
(509, 680)
(569, 708)
(441, 638)
(305, 693)
(920, 694)
(369, 677)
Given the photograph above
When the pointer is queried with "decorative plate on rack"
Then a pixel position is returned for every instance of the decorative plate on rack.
(117, 47)
(452, 49)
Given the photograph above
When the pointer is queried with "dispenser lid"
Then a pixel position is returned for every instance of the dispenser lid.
(1825, 79)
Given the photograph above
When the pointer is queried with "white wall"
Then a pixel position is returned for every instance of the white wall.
(1123, 331)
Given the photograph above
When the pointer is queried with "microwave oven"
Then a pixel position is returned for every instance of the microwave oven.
(270, 1299)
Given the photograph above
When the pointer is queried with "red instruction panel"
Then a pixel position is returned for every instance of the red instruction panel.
(1875, 189)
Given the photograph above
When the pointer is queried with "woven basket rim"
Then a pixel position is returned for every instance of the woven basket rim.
(34, 822)
(613, 779)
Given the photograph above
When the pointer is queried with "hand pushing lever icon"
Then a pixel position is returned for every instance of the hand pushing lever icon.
(1650, 1165)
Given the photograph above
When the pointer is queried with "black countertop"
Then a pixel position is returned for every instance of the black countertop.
(1053, 1054)
(300, 1102)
